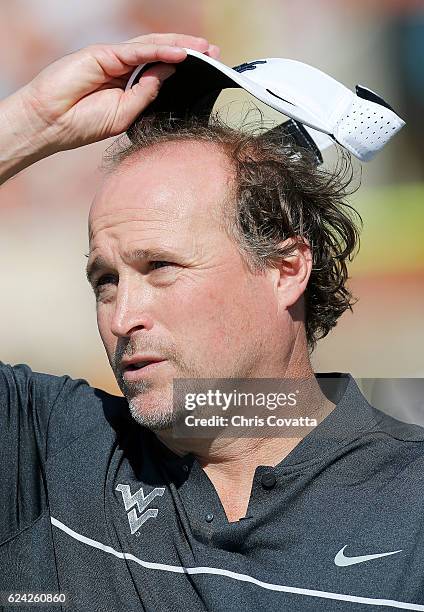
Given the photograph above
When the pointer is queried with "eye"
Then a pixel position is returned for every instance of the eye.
(160, 264)
(106, 279)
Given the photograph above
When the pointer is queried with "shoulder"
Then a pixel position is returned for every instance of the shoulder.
(63, 407)
(398, 406)
(81, 409)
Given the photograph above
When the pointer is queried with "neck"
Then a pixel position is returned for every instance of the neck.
(222, 453)
(230, 463)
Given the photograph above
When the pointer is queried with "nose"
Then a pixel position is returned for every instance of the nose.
(131, 307)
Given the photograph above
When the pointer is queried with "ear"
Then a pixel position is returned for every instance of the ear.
(292, 273)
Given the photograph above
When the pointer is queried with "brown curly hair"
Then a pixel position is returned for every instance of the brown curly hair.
(279, 193)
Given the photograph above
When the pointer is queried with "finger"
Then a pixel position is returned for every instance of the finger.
(160, 71)
(118, 83)
(116, 59)
(84, 72)
(180, 40)
(213, 51)
(136, 99)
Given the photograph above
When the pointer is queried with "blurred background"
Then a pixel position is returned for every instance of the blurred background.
(48, 312)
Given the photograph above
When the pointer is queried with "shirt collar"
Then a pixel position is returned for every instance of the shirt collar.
(351, 416)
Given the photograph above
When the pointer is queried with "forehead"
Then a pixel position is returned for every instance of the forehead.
(172, 184)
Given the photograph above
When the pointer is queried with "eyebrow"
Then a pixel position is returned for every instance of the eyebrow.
(99, 263)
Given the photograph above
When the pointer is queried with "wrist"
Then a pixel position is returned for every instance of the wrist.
(23, 137)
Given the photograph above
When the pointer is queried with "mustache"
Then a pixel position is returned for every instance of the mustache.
(128, 348)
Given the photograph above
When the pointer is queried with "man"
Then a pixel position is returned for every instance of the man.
(213, 255)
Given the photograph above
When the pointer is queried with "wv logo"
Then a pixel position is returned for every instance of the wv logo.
(141, 501)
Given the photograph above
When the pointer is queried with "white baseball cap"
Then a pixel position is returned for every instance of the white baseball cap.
(321, 109)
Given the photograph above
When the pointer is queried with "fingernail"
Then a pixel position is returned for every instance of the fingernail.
(214, 49)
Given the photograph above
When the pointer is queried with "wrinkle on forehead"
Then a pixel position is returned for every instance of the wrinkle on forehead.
(132, 219)
(166, 182)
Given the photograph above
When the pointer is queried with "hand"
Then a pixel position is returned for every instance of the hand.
(80, 98)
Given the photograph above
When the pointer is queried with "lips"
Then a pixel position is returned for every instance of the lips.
(137, 370)
(138, 365)
(139, 361)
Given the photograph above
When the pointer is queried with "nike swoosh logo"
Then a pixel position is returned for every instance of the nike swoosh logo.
(343, 561)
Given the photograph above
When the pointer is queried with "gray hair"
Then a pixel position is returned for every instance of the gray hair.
(277, 193)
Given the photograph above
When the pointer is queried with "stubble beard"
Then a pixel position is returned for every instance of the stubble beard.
(163, 413)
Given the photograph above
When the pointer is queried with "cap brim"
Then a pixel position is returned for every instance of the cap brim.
(198, 81)
(362, 123)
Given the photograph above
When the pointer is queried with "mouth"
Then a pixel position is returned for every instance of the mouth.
(138, 365)
(133, 371)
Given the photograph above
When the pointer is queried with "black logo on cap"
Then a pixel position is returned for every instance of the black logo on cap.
(248, 66)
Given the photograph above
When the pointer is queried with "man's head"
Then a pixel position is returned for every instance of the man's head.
(220, 254)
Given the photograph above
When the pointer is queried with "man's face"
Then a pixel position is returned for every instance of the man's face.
(171, 285)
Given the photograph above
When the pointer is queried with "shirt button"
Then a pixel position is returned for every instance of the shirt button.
(268, 481)
(185, 467)
(209, 517)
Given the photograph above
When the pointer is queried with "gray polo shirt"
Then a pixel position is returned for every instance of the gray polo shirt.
(95, 508)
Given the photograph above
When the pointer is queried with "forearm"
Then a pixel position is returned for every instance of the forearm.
(80, 98)
(22, 137)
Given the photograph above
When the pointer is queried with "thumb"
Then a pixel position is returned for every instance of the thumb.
(136, 99)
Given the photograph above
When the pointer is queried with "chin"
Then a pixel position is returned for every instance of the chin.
(153, 409)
